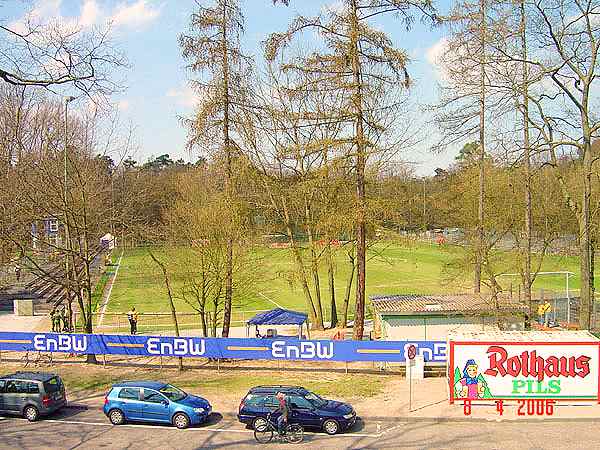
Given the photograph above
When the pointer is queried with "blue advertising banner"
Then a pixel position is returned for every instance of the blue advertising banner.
(223, 348)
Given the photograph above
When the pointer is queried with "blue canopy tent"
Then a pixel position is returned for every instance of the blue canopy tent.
(279, 316)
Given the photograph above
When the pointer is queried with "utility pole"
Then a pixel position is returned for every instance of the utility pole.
(67, 243)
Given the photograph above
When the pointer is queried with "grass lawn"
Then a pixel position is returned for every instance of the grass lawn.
(214, 384)
(393, 268)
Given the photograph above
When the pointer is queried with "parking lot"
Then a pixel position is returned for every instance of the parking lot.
(76, 428)
(85, 426)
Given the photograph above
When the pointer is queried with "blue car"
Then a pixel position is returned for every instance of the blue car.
(152, 401)
(307, 409)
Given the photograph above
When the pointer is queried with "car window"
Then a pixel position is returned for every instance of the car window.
(172, 393)
(153, 396)
(130, 393)
(271, 402)
(32, 387)
(2, 386)
(52, 385)
(254, 400)
(315, 400)
(16, 387)
(299, 402)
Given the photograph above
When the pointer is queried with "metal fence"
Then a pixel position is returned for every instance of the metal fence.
(158, 323)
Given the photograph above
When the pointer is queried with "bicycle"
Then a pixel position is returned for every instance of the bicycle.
(40, 359)
(293, 433)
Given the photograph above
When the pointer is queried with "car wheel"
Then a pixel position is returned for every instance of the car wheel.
(181, 421)
(116, 417)
(331, 426)
(259, 424)
(31, 413)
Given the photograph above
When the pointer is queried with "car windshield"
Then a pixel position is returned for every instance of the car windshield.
(172, 393)
(315, 400)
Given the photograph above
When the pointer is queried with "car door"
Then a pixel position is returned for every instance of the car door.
(156, 406)
(269, 405)
(2, 386)
(12, 396)
(129, 401)
(303, 412)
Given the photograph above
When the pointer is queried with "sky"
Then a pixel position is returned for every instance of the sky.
(156, 82)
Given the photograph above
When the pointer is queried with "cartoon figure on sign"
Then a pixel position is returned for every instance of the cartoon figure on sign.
(470, 384)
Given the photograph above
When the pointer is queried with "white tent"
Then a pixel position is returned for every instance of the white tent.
(108, 240)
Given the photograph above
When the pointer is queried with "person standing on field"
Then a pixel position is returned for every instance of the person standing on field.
(547, 311)
(132, 316)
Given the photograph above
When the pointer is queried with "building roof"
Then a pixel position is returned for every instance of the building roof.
(412, 304)
(557, 336)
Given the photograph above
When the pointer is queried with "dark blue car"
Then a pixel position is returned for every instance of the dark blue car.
(153, 401)
(307, 409)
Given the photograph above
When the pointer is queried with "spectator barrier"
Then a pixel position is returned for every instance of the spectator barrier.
(221, 348)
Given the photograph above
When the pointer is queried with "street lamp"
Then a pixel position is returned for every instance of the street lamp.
(67, 244)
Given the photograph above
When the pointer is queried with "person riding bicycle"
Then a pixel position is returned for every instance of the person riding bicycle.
(284, 409)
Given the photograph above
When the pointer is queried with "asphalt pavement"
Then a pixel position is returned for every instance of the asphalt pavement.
(79, 428)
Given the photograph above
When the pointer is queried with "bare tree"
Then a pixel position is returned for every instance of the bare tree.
(213, 48)
(53, 55)
(361, 62)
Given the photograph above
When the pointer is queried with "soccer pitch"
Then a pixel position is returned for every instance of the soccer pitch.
(399, 267)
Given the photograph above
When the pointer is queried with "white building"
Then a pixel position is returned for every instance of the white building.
(433, 317)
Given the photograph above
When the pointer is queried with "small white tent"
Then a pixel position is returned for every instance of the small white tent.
(108, 241)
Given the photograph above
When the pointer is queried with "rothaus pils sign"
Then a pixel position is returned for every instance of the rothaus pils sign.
(523, 370)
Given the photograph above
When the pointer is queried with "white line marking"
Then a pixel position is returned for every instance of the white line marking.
(107, 299)
(215, 430)
(269, 300)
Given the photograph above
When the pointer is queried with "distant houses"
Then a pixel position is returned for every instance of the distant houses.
(47, 233)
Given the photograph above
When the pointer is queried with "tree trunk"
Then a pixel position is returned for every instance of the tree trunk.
(592, 286)
(314, 268)
(331, 276)
(480, 216)
(527, 279)
(361, 228)
(346, 304)
(312, 313)
(170, 296)
(584, 245)
(228, 187)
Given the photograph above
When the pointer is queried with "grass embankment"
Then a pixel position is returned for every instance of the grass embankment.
(400, 267)
(212, 383)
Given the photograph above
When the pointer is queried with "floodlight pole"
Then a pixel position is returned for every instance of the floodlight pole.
(67, 244)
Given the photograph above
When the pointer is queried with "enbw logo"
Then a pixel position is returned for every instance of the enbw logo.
(60, 343)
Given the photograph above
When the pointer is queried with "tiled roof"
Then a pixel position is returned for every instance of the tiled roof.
(454, 303)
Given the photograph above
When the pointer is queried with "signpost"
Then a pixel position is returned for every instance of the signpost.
(411, 352)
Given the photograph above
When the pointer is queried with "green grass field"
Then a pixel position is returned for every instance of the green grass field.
(392, 268)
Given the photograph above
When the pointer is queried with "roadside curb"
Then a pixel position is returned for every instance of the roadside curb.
(416, 419)
(405, 419)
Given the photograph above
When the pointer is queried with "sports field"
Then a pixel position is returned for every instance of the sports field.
(392, 268)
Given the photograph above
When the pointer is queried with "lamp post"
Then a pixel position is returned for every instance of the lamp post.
(67, 244)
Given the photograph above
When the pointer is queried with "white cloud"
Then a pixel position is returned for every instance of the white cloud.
(135, 15)
(123, 105)
(434, 53)
(126, 14)
(90, 14)
(184, 96)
